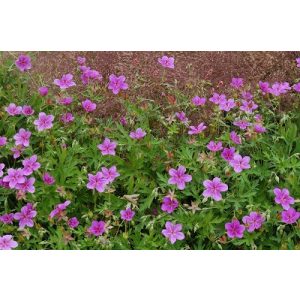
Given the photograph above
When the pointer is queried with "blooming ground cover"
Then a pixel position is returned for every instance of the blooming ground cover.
(154, 178)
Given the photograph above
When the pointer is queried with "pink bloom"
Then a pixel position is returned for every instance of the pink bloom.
(127, 214)
(3, 141)
(48, 179)
(73, 222)
(97, 228)
(235, 138)
(4, 184)
(110, 174)
(169, 204)
(17, 151)
(173, 232)
(264, 87)
(59, 209)
(22, 137)
(30, 164)
(179, 178)
(242, 124)
(107, 147)
(228, 153)
(65, 101)
(27, 186)
(296, 87)
(213, 188)
(235, 229)
(259, 128)
(214, 146)
(97, 182)
(138, 134)
(227, 105)
(240, 163)
(81, 60)
(237, 83)
(13, 110)
(89, 75)
(27, 110)
(88, 105)
(123, 121)
(23, 63)
(25, 216)
(253, 221)
(65, 82)
(283, 198)
(117, 83)
(196, 129)
(167, 62)
(246, 95)
(7, 242)
(217, 98)
(2, 166)
(181, 117)
(198, 101)
(298, 62)
(14, 177)
(258, 118)
(67, 118)
(279, 88)
(43, 91)
(44, 122)
(290, 216)
(7, 218)
(248, 106)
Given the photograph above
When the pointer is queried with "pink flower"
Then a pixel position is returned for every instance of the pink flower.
(89, 75)
(81, 60)
(67, 118)
(240, 163)
(27, 110)
(169, 204)
(235, 138)
(73, 222)
(43, 91)
(17, 151)
(298, 62)
(235, 229)
(242, 124)
(296, 87)
(107, 147)
(259, 128)
(65, 101)
(127, 214)
(279, 88)
(167, 62)
(196, 129)
(14, 177)
(44, 122)
(253, 221)
(264, 87)
(25, 216)
(88, 105)
(116, 84)
(27, 186)
(237, 83)
(110, 174)
(214, 146)
(179, 178)
(246, 95)
(3, 141)
(137, 134)
(22, 137)
(173, 232)
(228, 153)
(59, 209)
(7, 218)
(123, 121)
(217, 98)
(213, 188)
(290, 216)
(23, 63)
(2, 166)
(97, 182)
(97, 228)
(13, 110)
(198, 101)
(248, 106)
(7, 242)
(283, 198)
(258, 118)
(181, 117)
(48, 179)
(65, 82)
(227, 105)
(30, 164)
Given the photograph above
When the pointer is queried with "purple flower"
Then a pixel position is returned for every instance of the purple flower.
(264, 87)
(65, 101)
(283, 198)
(127, 214)
(89, 75)
(97, 182)
(196, 129)
(290, 216)
(7, 242)
(67, 118)
(17, 151)
(235, 138)
(248, 106)
(2, 166)
(14, 177)
(48, 179)
(43, 91)
(213, 188)
(242, 124)
(179, 178)
(110, 174)
(65, 82)
(246, 95)
(25, 216)
(298, 62)
(227, 105)
(240, 163)
(27, 186)
(253, 221)
(137, 134)
(97, 228)
(259, 128)
(235, 229)
(23, 63)
(169, 204)
(217, 98)
(214, 146)
(22, 137)
(279, 88)
(59, 209)
(228, 153)
(181, 117)
(88, 105)
(107, 147)
(13, 110)
(117, 83)
(3, 141)
(173, 232)
(7, 218)
(198, 101)
(296, 87)
(27, 110)
(123, 121)
(167, 62)
(73, 222)
(30, 164)
(44, 122)
(237, 83)
(81, 60)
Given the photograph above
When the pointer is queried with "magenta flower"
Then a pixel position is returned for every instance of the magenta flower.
(2, 166)
(7, 218)
(127, 214)
(110, 174)
(227, 105)
(237, 83)
(97, 182)
(3, 141)
(14, 177)
(22, 137)
(23, 63)
(7, 242)
(169, 204)
(283, 198)
(279, 88)
(97, 228)
(240, 163)
(65, 82)
(25, 216)
(67, 118)
(173, 232)
(228, 153)
(214, 146)
(181, 117)
(48, 179)
(235, 229)
(27, 186)
(213, 188)
(89, 75)
(167, 62)
(242, 124)
(65, 101)
(258, 118)
(73, 222)
(123, 121)
(30, 165)
(27, 110)
(235, 138)
(296, 87)
(179, 178)
(217, 98)
(253, 221)
(258, 128)
(264, 87)
(196, 129)
(13, 110)
(88, 105)
(116, 84)
(198, 101)
(298, 62)
(81, 60)
(137, 134)
(290, 216)
(246, 95)
(44, 122)
(17, 151)
(43, 91)
(107, 147)
(59, 209)
(248, 106)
